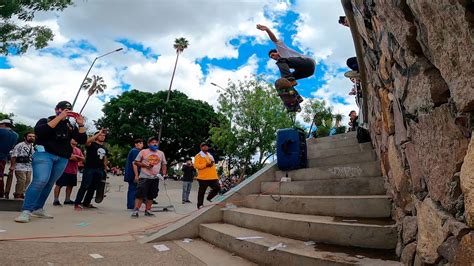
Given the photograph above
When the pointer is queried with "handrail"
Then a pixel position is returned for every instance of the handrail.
(347, 5)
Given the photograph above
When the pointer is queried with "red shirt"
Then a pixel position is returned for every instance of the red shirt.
(71, 167)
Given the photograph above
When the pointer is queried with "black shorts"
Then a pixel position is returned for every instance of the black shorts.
(67, 180)
(147, 188)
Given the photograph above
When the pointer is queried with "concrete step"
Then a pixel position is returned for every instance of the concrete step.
(212, 255)
(343, 159)
(295, 252)
(332, 144)
(315, 151)
(341, 206)
(338, 137)
(360, 232)
(327, 187)
(371, 168)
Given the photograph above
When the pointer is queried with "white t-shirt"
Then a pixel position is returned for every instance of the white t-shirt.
(286, 52)
(155, 158)
(23, 149)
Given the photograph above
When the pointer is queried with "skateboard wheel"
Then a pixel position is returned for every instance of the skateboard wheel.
(298, 110)
(292, 92)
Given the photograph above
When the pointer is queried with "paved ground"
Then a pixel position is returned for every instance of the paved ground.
(109, 222)
(67, 238)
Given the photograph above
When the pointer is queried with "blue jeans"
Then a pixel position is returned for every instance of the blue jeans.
(186, 189)
(90, 181)
(47, 168)
(131, 193)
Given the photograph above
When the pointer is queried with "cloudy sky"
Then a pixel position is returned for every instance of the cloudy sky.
(224, 44)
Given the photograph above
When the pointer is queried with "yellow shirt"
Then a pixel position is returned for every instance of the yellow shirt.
(205, 172)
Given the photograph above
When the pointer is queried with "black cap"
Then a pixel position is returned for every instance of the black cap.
(64, 105)
(152, 138)
(204, 144)
(351, 112)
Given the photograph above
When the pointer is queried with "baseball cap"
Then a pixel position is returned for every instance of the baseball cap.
(204, 144)
(64, 105)
(152, 138)
(6, 121)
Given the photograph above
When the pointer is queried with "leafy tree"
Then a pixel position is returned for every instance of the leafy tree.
(251, 113)
(19, 128)
(20, 38)
(93, 85)
(317, 111)
(136, 114)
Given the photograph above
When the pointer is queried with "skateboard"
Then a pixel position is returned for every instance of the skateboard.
(288, 94)
(100, 192)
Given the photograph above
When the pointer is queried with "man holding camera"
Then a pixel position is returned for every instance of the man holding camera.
(207, 174)
(21, 164)
(94, 170)
(53, 149)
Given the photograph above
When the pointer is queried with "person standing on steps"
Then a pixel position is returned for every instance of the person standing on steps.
(207, 174)
(287, 59)
(94, 170)
(132, 173)
(188, 177)
(53, 149)
(69, 178)
(20, 163)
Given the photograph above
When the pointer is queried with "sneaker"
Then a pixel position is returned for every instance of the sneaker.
(351, 74)
(154, 202)
(57, 203)
(134, 214)
(7, 196)
(149, 213)
(184, 201)
(188, 201)
(293, 83)
(90, 206)
(41, 213)
(68, 202)
(299, 99)
(78, 207)
(24, 217)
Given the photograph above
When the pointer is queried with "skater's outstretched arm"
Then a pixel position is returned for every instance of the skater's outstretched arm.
(269, 32)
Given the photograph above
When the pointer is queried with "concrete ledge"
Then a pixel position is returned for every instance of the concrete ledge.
(11, 205)
(189, 227)
(343, 159)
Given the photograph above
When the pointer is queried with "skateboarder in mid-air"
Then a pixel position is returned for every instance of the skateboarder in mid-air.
(287, 59)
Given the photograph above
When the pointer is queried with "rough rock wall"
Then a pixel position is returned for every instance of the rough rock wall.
(419, 58)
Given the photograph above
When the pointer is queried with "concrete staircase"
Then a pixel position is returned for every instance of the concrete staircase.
(338, 202)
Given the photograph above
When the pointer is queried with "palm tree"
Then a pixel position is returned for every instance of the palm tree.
(338, 118)
(179, 44)
(93, 85)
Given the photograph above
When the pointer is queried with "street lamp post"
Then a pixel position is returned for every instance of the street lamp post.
(84, 80)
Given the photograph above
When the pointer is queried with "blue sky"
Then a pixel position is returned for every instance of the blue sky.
(224, 44)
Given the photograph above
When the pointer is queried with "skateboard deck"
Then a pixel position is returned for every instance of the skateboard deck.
(288, 95)
(100, 192)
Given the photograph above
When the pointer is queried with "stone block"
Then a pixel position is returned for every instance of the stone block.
(467, 183)
(465, 251)
(408, 254)
(398, 177)
(409, 229)
(440, 148)
(431, 233)
(448, 249)
(445, 33)
(416, 173)
(387, 116)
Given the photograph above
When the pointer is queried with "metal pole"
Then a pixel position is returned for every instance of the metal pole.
(88, 71)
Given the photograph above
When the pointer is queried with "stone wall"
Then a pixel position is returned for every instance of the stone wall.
(419, 60)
